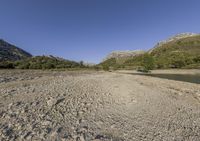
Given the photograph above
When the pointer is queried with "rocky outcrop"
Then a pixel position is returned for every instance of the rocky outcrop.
(124, 54)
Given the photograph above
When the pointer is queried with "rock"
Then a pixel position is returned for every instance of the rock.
(60, 129)
(82, 138)
(46, 123)
(51, 102)
(48, 130)
(10, 105)
(59, 101)
(28, 136)
(8, 131)
(123, 54)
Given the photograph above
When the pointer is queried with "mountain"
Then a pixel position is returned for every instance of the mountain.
(118, 59)
(9, 52)
(46, 62)
(124, 54)
(14, 57)
(173, 39)
(179, 51)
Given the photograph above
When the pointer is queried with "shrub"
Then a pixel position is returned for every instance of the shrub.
(140, 69)
(178, 64)
(148, 62)
(197, 59)
(106, 68)
(43, 62)
(6, 65)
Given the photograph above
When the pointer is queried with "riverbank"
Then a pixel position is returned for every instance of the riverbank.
(97, 106)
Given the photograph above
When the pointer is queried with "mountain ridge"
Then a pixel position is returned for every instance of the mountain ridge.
(124, 54)
(9, 52)
(173, 38)
(179, 51)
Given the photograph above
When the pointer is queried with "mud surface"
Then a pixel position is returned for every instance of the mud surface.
(96, 106)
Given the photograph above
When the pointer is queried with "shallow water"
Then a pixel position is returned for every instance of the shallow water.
(179, 77)
(195, 78)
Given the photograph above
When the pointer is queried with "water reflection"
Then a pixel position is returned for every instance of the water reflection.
(178, 77)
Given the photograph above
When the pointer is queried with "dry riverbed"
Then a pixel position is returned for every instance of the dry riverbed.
(96, 106)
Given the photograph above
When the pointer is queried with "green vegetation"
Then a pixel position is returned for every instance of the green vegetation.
(178, 54)
(147, 62)
(7, 65)
(182, 53)
(41, 62)
(106, 68)
(107, 64)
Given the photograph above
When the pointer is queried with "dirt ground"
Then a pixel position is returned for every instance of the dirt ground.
(96, 106)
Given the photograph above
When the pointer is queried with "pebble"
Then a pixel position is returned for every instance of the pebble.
(37, 117)
(51, 102)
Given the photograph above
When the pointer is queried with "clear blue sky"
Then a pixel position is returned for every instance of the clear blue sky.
(89, 29)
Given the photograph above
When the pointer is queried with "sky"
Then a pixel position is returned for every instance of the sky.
(88, 30)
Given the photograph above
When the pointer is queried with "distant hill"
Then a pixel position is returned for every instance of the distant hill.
(173, 39)
(46, 62)
(9, 52)
(118, 59)
(183, 51)
(14, 57)
(124, 54)
(179, 51)
(41, 62)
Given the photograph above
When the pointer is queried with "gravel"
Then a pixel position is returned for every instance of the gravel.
(96, 106)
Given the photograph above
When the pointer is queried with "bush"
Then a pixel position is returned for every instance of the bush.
(148, 62)
(143, 70)
(197, 59)
(22, 65)
(6, 65)
(43, 62)
(106, 68)
(178, 64)
(97, 68)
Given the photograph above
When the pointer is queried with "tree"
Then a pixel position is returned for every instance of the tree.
(148, 62)
(81, 64)
(178, 63)
(106, 68)
(6, 65)
(197, 59)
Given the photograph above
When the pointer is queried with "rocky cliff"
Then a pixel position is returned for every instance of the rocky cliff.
(124, 54)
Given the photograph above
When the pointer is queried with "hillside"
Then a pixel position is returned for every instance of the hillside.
(46, 62)
(124, 54)
(182, 52)
(118, 59)
(173, 38)
(9, 52)
(14, 57)
(179, 51)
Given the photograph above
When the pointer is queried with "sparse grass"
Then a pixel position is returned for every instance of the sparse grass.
(182, 53)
